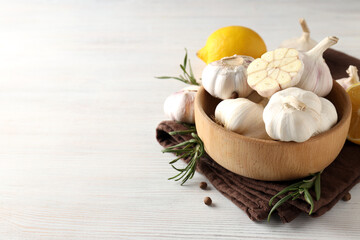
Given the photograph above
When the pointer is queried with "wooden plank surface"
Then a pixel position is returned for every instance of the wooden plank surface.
(79, 106)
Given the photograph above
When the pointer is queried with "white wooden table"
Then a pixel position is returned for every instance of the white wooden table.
(79, 106)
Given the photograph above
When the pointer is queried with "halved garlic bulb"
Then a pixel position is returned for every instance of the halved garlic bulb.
(275, 70)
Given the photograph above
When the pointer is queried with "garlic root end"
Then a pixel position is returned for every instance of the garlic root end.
(294, 103)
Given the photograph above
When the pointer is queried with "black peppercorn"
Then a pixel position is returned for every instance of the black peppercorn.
(346, 197)
(203, 185)
(207, 201)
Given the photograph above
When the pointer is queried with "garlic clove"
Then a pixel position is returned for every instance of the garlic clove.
(227, 77)
(303, 43)
(242, 116)
(179, 106)
(316, 76)
(353, 78)
(275, 70)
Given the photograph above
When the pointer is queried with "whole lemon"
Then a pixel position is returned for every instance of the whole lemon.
(231, 40)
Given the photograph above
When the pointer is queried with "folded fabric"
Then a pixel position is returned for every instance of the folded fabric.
(252, 195)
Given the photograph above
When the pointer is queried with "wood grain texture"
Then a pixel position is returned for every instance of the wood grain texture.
(79, 106)
(267, 159)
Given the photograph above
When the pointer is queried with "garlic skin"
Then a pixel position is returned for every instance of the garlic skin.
(316, 76)
(296, 115)
(242, 116)
(275, 70)
(328, 115)
(179, 106)
(303, 43)
(227, 77)
(353, 78)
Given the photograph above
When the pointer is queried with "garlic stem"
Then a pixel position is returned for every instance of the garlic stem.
(353, 78)
(320, 48)
(293, 103)
(353, 74)
(306, 36)
(304, 26)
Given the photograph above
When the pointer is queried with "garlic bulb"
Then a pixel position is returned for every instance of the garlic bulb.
(296, 115)
(227, 77)
(275, 70)
(242, 116)
(179, 106)
(316, 76)
(352, 79)
(303, 43)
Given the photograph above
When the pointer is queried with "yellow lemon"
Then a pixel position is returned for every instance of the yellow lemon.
(354, 131)
(231, 40)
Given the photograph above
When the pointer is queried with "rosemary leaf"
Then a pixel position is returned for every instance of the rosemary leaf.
(175, 175)
(308, 199)
(175, 151)
(187, 76)
(292, 187)
(295, 196)
(176, 78)
(185, 58)
(181, 156)
(179, 169)
(297, 189)
(183, 174)
(183, 68)
(278, 204)
(307, 185)
(311, 179)
(317, 187)
(192, 148)
(192, 74)
(191, 169)
(179, 145)
(164, 77)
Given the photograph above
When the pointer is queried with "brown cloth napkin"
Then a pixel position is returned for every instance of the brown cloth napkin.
(252, 195)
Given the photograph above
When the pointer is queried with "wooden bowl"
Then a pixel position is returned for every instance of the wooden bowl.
(268, 159)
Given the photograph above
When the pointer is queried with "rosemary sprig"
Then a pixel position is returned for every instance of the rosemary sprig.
(193, 149)
(296, 190)
(187, 76)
